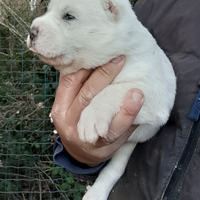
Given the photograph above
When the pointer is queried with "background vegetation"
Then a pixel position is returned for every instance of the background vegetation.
(27, 89)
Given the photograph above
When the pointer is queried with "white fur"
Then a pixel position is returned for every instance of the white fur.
(102, 30)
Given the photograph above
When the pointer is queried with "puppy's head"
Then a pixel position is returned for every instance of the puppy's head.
(76, 34)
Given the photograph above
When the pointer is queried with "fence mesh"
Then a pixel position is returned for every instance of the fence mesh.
(27, 88)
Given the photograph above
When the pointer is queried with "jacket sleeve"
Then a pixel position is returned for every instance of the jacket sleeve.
(80, 170)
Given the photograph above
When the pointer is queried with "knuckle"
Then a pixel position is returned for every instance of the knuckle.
(57, 113)
(128, 112)
(69, 80)
(53, 114)
(105, 72)
(86, 95)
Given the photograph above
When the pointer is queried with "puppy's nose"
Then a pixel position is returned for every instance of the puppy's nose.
(33, 32)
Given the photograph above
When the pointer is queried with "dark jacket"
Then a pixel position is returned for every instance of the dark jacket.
(167, 167)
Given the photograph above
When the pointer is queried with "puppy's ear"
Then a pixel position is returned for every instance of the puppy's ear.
(110, 9)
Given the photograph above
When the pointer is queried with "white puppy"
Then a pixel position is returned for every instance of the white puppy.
(89, 33)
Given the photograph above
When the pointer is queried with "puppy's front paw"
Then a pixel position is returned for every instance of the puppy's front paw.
(93, 123)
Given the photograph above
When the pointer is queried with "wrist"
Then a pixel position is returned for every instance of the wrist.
(65, 160)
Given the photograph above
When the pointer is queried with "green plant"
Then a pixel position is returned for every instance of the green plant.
(27, 89)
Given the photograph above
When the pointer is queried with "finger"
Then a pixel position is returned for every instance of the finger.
(69, 86)
(120, 125)
(99, 79)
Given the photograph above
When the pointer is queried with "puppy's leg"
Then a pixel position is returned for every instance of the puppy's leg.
(96, 117)
(115, 168)
(110, 174)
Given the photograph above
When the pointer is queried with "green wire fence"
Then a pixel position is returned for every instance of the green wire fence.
(27, 88)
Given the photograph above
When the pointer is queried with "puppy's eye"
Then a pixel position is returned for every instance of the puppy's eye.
(68, 17)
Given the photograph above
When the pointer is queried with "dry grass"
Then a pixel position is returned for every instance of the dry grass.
(21, 14)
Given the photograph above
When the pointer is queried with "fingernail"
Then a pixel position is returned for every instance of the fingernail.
(117, 59)
(137, 97)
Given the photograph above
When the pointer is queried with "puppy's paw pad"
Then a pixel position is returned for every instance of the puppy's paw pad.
(92, 125)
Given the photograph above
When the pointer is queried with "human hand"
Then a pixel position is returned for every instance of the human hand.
(74, 93)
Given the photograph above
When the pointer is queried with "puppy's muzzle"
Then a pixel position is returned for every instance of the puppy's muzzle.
(33, 32)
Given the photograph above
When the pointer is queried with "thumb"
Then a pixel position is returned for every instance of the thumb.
(123, 120)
